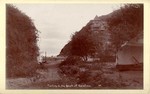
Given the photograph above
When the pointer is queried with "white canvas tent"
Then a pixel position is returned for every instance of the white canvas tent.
(131, 53)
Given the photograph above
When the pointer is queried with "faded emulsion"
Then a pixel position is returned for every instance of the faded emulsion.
(62, 46)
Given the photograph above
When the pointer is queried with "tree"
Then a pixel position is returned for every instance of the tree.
(125, 24)
(83, 43)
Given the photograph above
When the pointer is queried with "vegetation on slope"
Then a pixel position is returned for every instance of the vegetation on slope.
(21, 37)
(123, 25)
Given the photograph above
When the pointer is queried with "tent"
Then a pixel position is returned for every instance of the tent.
(130, 55)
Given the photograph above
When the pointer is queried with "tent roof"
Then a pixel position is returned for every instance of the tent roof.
(137, 41)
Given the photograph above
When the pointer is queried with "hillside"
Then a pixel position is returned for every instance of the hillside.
(66, 50)
(88, 29)
(114, 29)
(21, 43)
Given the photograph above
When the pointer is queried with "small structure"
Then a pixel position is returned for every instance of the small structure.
(60, 58)
(130, 55)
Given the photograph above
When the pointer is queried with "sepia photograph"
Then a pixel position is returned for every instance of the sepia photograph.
(74, 46)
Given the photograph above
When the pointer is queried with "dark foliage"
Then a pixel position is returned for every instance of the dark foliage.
(83, 44)
(71, 60)
(66, 50)
(125, 24)
(107, 59)
(21, 43)
(79, 45)
(87, 74)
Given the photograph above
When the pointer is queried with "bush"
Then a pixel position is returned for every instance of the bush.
(70, 66)
(72, 60)
(83, 73)
(24, 70)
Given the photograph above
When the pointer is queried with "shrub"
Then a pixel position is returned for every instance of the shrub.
(92, 74)
(70, 66)
(72, 60)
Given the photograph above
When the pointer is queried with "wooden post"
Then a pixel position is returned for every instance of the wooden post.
(45, 57)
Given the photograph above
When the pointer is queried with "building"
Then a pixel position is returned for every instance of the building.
(99, 26)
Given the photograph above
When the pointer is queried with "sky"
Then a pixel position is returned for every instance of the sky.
(57, 22)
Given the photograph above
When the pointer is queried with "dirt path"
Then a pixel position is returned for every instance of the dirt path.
(50, 75)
